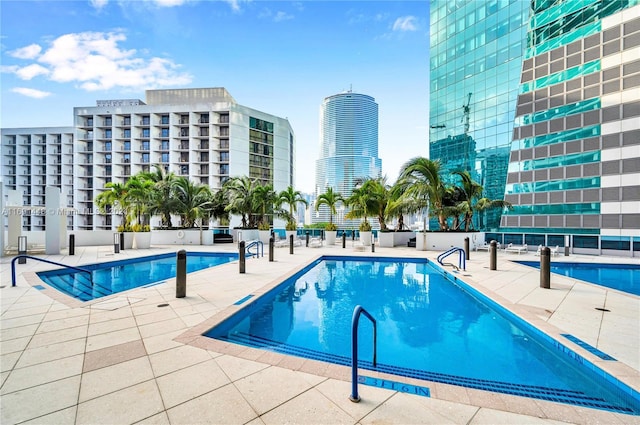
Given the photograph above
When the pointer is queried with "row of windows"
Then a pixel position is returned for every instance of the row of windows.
(554, 161)
(562, 111)
(551, 209)
(563, 136)
(550, 186)
(257, 136)
(559, 77)
(261, 125)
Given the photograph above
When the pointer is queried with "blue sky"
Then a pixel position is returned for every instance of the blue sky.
(279, 57)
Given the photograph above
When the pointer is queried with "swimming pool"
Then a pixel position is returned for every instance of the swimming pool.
(117, 276)
(429, 327)
(623, 277)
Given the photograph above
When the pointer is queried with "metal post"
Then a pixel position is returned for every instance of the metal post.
(242, 256)
(290, 244)
(353, 235)
(466, 248)
(181, 274)
(493, 255)
(545, 267)
(566, 245)
(122, 241)
(116, 243)
(72, 244)
(307, 237)
(344, 239)
(271, 246)
(373, 243)
(22, 249)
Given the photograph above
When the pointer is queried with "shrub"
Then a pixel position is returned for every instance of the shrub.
(263, 225)
(330, 227)
(365, 226)
(291, 225)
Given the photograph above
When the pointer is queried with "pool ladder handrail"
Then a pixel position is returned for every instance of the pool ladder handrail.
(259, 248)
(461, 257)
(13, 267)
(354, 349)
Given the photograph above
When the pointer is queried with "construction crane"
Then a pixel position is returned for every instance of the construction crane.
(465, 114)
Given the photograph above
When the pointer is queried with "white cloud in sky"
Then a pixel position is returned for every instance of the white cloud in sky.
(30, 71)
(38, 94)
(98, 4)
(96, 61)
(28, 52)
(282, 16)
(405, 23)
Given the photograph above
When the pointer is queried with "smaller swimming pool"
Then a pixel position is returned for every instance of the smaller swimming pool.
(623, 277)
(118, 276)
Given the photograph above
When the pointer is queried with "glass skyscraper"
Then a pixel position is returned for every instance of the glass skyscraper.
(476, 58)
(348, 145)
(539, 100)
(575, 157)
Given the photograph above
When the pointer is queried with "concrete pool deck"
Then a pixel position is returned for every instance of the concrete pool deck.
(129, 359)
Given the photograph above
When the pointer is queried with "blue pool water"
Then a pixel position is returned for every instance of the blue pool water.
(117, 276)
(429, 327)
(623, 277)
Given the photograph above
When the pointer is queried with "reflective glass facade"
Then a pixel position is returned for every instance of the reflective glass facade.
(575, 158)
(477, 49)
(348, 145)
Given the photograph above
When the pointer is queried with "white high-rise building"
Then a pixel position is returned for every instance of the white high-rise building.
(202, 134)
(348, 146)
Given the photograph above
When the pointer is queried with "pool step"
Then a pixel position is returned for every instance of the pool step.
(544, 393)
(77, 285)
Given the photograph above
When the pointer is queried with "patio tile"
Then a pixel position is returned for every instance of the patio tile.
(111, 326)
(13, 345)
(52, 325)
(113, 355)
(106, 380)
(160, 328)
(51, 352)
(43, 373)
(257, 388)
(191, 382)
(158, 419)
(125, 406)
(309, 408)
(19, 406)
(155, 344)
(338, 392)
(17, 322)
(222, 406)
(177, 358)
(496, 417)
(49, 338)
(99, 316)
(21, 332)
(64, 416)
(96, 342)
(236, 368)
(8, 361)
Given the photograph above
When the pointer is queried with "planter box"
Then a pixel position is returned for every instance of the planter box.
(391, 239)
(442, 241)
(264, 236)
(330, 236)
(128, 240)
(365, 238)
(141, 240)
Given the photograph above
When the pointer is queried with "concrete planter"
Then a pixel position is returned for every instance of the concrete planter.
(391, 239)
(264, 236)
(442, 241)
(330, 236)
(128, 240)
(422, 241)
(141, 240)
(365, 238)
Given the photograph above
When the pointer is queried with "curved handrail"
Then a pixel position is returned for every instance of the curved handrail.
(13, 267)
(354, 349)
(461, 257)
(259, 248)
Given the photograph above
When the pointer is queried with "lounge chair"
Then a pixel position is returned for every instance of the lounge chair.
(555, 251)
(539, 251)
(484, 247)
(516, 248)
(315, 243)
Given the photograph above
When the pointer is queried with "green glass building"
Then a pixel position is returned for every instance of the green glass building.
(561, 141)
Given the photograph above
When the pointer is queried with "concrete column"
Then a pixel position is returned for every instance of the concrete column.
(52, 220)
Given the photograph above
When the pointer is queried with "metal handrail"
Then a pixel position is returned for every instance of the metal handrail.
(259, 248)
(461, 257)
(13, 267)
(354, 349)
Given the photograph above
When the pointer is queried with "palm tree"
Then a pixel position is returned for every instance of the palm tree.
(114, 199)
(471, 190)
(291, 197)
(361, 203)
(193, 201)
(219, 202)
(162, 202)
(421, 178)
(240, 193)
(139, 191)
(485, 204)
(331, 200)
(263, 199)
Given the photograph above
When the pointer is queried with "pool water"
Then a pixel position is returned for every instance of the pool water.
(429, 327)
(117, 276)
(623, 277)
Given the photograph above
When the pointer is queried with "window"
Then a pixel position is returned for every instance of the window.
(164, 145)
(107, 134)
(126, 134)
(164, 132)
(164, 157)
(164, 119)
(127, 146)
(145, 120)
(145, 146)
(145, 132)
(224, 169)
(224, 156)
(145, 158)
(127, 158)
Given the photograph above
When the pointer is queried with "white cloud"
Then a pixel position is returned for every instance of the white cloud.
(38, 94)
(96, 61)
(98, 4)
(169, 3)
(28, 52)
(282, 16)
(31, 71)
(405, 23)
